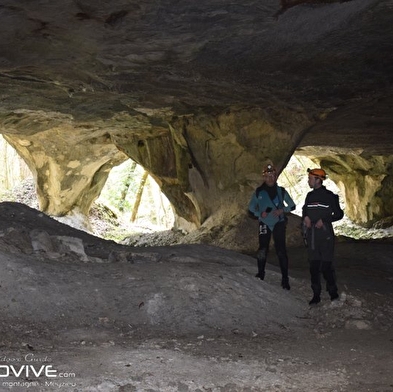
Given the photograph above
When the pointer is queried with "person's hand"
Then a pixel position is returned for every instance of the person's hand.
(278, 212)
(264, 214)
(307, 222)
(319, 224)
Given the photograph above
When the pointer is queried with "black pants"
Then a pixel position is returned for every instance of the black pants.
(320, 254)
(279, 237)
(326, 268)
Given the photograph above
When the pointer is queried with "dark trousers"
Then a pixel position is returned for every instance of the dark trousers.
(326, 268)
(320, 253)
(279, 237)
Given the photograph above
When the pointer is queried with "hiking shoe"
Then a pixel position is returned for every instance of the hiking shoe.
(285, 285)
(334, 297)
(260, 276)
(315, 300)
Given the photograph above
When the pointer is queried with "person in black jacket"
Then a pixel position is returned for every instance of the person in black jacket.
(320, 209)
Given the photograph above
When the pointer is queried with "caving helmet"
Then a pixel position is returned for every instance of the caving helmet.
(269, 169)
(320, 173)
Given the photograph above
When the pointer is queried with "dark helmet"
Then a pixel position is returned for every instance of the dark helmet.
(269, 169)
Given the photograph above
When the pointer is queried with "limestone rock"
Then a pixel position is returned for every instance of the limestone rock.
(201, 94)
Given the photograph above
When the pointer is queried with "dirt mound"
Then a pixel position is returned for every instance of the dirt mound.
(184, 317)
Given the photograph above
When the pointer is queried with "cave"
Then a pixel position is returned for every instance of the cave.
(202, 95)
(201, 106)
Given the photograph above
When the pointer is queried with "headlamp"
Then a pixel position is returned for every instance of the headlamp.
(269, 169)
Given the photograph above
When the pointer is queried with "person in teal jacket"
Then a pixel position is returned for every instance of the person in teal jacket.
(269, 204)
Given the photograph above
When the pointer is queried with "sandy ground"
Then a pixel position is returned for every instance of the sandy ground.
(83, 314)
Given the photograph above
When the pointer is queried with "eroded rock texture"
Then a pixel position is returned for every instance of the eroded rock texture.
(202, 94)
(358, 156)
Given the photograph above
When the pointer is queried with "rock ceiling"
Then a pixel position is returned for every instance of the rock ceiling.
(202, 94)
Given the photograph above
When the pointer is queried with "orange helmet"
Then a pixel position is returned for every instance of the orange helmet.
(320, 173)
(269, 169)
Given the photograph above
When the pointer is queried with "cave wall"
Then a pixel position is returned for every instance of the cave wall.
(69, 177)
(354, 146)
(365, 183)
(208, 164)
(202, 94)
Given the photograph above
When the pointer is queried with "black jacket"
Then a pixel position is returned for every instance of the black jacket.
(322, 204)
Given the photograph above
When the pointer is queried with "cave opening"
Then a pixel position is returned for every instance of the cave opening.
(136, 199)
(295, 179)
(130, 202)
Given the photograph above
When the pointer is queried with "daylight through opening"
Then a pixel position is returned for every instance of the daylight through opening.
(136, 198)
(131, 200)
(295, 179)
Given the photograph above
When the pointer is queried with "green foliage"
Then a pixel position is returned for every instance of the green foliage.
(121, 186)
(120, 191)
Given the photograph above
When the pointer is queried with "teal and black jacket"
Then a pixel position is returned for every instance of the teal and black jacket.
(267, 198)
